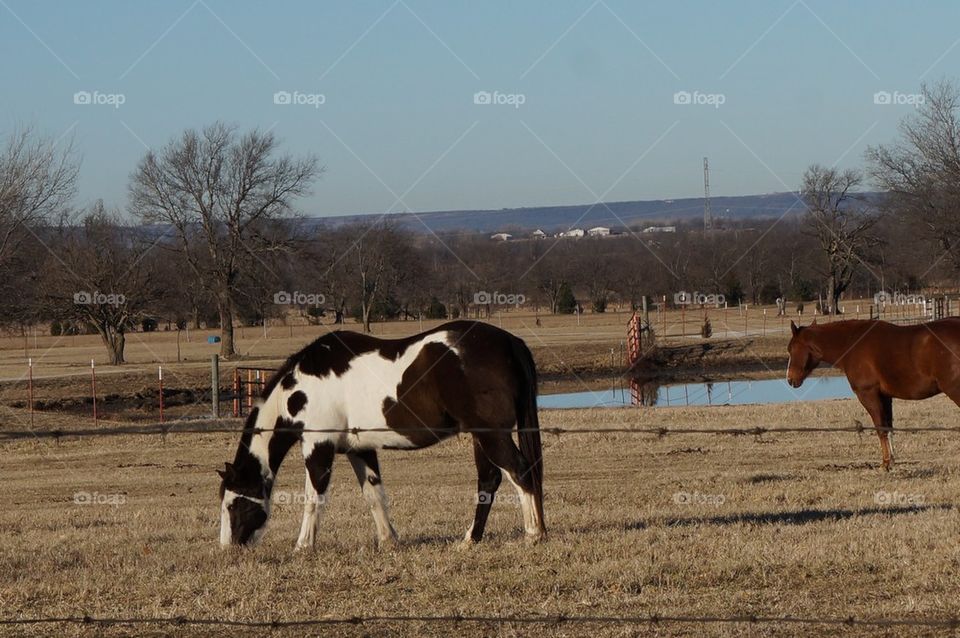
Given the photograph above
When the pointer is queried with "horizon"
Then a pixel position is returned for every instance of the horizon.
(412, 106)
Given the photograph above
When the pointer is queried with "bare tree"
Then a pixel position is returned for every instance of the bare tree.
(222, 187)
(101, 276)
(367, 264)
(37, 181)
(839, 220)
(921, 172)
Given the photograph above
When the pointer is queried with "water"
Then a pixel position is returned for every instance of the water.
(716, 393)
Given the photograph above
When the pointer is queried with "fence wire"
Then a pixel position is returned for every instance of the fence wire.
(217, 427)
(456, 619)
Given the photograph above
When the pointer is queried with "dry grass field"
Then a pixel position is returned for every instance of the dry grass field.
(788, 524)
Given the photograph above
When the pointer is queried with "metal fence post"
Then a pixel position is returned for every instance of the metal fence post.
(215, 384)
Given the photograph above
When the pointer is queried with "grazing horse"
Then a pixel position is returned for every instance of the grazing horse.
(404, 394)
(882, 362)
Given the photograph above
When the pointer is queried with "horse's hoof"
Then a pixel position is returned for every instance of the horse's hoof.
(466, 544)
(535, 539)
(389, 544)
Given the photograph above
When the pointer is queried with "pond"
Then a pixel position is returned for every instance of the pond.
(714, 393)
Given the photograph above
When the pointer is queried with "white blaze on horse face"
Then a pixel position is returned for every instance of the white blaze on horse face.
(225, 528)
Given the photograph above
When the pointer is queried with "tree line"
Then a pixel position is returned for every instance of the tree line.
(212, 237)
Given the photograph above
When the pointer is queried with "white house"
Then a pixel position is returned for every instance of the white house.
(599, 231)
(501, 236)
(538, 234)
(573, 232)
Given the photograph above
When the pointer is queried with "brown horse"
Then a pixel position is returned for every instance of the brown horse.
(882, 362)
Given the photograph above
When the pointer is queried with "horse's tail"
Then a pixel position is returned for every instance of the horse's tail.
(528, 423)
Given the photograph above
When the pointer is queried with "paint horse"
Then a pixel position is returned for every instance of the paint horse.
(368, 394)
(882, 362)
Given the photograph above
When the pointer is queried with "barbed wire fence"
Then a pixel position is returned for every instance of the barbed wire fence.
(216, 426)
(648, 620)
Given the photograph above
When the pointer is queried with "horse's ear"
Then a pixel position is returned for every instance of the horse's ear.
(227, 471)
(793, 328)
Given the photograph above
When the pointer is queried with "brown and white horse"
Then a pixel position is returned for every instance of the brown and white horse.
(370, 394)
(882, 362)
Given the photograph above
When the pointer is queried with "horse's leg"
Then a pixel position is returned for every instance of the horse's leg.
(879, 407)
(888, 423)
(489, 477)
(503, 452)
(318, 459)
(367, 469)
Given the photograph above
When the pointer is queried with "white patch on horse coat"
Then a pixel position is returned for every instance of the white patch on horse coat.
(531, 518)
(312, 508)
(376, 498)
(354, 400)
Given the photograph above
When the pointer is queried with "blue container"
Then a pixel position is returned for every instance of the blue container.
(213, 339)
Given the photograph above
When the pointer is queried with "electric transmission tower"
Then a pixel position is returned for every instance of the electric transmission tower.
(707, 214)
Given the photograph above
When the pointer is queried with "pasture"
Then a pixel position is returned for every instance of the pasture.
(715, 525)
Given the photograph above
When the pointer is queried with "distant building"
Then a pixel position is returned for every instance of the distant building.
(538, 234)
(599, 231)
(573, 232)
(660, 229)
(501, 236)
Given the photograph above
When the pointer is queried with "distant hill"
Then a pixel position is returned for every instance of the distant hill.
(614, 215)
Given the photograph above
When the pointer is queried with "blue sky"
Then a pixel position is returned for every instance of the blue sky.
(398, 128)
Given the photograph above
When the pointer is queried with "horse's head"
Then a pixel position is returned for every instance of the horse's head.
(244, 506)
(804, 355)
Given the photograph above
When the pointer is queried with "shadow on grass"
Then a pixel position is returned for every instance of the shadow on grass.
(795, 517)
